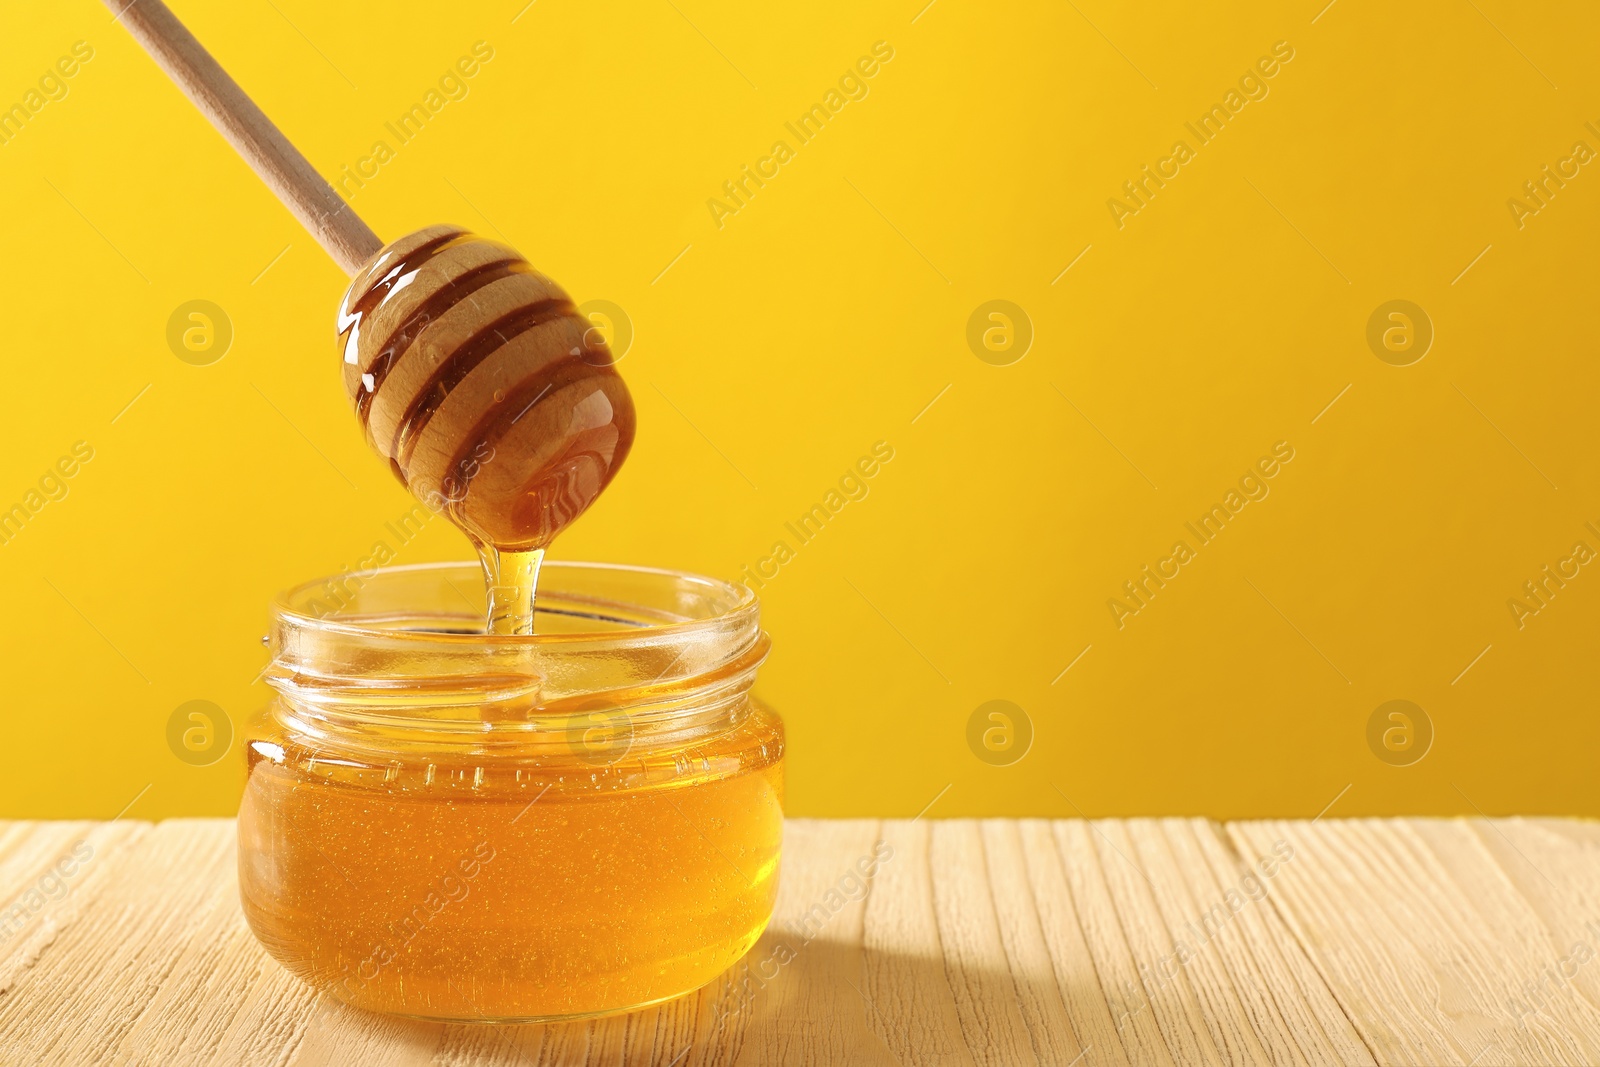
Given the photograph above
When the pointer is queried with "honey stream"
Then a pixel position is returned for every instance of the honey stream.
(511, 577)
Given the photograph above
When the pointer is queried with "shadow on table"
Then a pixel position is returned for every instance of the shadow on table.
(817, 1004)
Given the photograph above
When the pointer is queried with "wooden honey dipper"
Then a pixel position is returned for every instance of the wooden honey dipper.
(492, 398)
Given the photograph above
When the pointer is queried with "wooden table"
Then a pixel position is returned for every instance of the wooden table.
(1176, 941)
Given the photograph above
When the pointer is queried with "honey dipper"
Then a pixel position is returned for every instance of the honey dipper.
(492, 398)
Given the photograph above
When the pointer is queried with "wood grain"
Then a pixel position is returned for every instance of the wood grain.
(1145, 941)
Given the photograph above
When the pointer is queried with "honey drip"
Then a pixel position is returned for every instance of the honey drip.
(512, 578)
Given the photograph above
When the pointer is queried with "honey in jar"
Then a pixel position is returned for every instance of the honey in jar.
(449, 824)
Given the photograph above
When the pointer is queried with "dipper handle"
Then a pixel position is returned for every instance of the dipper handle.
(287, 173)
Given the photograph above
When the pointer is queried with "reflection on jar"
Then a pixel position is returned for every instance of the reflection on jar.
(449, 825)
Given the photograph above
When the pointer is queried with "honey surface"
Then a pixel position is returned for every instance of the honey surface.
(506, 888)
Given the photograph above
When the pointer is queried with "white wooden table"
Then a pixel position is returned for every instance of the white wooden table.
(1169, 942)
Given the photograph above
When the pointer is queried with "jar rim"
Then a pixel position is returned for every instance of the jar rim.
(743, 601)
(405, 648)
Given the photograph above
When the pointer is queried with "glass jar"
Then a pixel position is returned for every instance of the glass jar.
(450, 825)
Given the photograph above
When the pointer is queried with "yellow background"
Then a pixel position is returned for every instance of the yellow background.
(824, 317)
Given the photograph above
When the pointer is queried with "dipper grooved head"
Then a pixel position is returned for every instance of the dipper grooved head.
(493, 399)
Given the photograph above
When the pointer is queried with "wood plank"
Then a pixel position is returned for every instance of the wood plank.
(1537, 918)
(270, 1019)
(191, 1012)
(100, 973)
(912, 1008)
(1455, 925)
(1039, 996)
(1173, 1000)
(1423, 939)
(1339, 909)
(1197, 918)
(805, 977)
(976, 964)
(953, 942)
(50, 874)
(1126, 996)
(1064, 938)
(1301, 1001)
